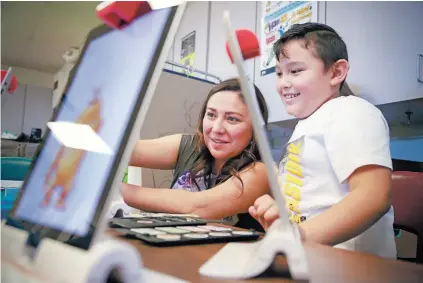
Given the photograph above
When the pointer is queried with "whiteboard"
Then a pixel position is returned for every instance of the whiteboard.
(174, 109)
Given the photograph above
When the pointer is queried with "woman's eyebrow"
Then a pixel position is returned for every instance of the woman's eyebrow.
(226, 113)
(232, 112)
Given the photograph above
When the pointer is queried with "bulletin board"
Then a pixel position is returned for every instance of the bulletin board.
(277, 17)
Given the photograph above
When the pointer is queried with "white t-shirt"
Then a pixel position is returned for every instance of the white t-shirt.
(342, 135)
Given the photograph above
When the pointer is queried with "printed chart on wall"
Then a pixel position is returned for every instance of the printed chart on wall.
(188, 49)
(277, 17)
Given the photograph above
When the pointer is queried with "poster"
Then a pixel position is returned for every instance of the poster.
(277, 17)
(188, 50)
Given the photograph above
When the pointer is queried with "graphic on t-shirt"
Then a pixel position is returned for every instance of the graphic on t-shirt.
(186, 183)
(63, 170)
(291, 165)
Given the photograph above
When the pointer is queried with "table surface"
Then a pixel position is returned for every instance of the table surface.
(326, 264)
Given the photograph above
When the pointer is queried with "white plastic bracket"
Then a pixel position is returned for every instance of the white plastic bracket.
(55, 261)
(248, 260)
(241, 260)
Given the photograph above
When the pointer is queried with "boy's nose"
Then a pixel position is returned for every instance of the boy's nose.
(284, 83)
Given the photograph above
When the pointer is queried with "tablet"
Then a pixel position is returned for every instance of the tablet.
(80, 163)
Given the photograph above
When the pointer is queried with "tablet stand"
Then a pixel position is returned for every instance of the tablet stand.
(55, 261)
(240, 260)
(248, 260)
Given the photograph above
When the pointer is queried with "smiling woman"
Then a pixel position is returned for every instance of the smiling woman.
(217, 171)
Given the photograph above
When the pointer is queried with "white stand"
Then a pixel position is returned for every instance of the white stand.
(240, 260)
(247, 260)
(119, 204)
(54, 261)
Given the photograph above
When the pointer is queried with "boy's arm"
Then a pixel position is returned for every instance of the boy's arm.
(369, 199)
(226, 199)
(370, 188)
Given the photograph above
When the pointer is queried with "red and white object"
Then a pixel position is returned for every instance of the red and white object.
(8, 81)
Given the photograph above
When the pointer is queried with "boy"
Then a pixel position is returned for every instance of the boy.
(336, 173)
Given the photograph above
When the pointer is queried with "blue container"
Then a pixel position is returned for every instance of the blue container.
(13, 169)
(8, 198)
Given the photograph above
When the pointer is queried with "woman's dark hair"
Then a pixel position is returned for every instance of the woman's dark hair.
(248, 157)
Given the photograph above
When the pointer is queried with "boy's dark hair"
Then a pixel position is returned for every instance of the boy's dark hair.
(326, 42)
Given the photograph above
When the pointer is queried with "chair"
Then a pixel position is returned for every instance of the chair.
(14, 169)
(407, 200)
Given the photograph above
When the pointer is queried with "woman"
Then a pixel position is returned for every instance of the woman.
(218, 172)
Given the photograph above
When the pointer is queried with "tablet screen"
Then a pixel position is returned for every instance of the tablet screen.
(74, 165)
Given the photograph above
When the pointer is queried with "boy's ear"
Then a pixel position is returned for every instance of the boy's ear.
(339, 71)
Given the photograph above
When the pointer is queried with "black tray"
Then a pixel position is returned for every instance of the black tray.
(193, 238)
(150, 222)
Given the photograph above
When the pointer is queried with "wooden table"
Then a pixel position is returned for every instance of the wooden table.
(326, 264)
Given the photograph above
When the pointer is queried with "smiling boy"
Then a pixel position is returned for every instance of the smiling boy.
(336, 172)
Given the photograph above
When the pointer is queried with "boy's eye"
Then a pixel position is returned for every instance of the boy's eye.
(295, 71)
(278, 74)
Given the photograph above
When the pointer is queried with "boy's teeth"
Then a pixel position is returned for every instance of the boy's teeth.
(291, 96)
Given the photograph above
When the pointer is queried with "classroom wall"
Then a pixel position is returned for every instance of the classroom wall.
(243, 15)
(60, 81)
(196, 18)
(205, 18)
(375, 74)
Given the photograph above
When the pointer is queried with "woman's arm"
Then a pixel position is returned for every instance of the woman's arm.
(160, 153)
(223, 200)
(369, 199)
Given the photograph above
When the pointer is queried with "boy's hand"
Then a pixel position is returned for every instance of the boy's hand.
(264, 211)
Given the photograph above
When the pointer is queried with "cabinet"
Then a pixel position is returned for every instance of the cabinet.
(12, 110)
(243, 16)
(195, 18)
(38, 109)
(28, 107)
(383, 41)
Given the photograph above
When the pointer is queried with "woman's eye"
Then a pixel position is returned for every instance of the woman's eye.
(233, 119)
(210, 114)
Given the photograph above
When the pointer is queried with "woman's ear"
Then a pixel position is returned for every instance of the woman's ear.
(339, 72)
